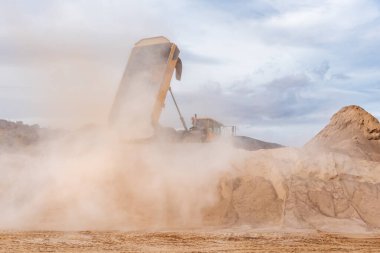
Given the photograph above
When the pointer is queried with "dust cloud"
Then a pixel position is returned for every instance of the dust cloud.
(95, 178)
(91, 179)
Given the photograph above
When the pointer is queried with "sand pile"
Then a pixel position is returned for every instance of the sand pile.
(89, 179)
(351, 131)
(306, 188)
(294, 189)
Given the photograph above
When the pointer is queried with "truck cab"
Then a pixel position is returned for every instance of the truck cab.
(210, 129)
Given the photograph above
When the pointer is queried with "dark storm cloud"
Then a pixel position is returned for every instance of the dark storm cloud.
(284, 100)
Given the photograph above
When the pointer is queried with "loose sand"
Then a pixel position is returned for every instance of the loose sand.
(185, 241)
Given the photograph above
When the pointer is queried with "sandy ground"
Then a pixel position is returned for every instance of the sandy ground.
(211, 241)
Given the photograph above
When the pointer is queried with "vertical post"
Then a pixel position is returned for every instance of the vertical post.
(179, 112)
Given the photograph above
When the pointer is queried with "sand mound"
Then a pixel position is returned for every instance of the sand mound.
(292, 188)
(90, 180)
(352, 131)
(337, 190)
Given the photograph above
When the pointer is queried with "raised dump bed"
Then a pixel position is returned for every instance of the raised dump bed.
(143, 87)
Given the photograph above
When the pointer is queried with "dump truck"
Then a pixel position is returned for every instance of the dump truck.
(142, 93)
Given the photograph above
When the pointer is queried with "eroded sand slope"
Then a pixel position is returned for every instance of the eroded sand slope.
(331, 184)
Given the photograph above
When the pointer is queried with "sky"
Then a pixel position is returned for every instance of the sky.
(277, 70)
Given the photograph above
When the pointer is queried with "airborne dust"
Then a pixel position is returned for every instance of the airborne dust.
(95, 178)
